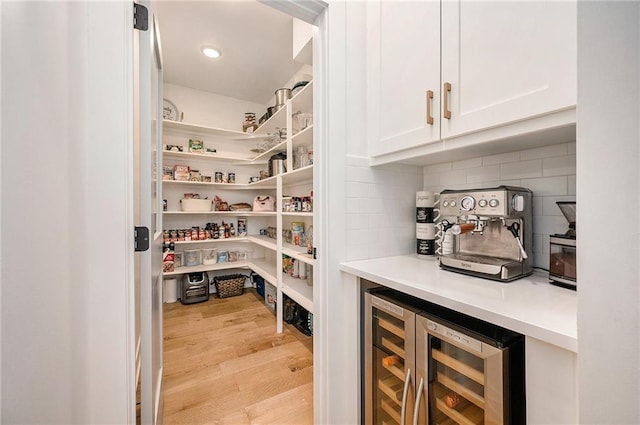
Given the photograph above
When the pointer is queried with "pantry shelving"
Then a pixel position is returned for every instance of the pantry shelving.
(299, 291)
(242, 154)
(262, 184)
(224, 213)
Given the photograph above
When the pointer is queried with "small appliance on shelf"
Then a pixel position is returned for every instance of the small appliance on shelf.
(562, 248)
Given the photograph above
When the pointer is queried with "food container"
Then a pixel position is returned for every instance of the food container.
(209, 256)
(191, 257)
(282, 95)
(223, 256)
(195, 205)
(233, 255)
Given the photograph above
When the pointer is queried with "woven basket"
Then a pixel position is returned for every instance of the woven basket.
(230, 285)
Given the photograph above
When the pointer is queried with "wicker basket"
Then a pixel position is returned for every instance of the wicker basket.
(229, 285)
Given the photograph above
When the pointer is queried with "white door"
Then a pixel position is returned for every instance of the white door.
(150, 301)
(403, 67)
(507, 61)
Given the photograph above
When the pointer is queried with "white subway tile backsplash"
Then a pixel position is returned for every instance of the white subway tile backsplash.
(544, 152)
(571, 148)
(549, 206)
(357, 189)
(503, 158)
(547, 186)
(559, 166)
(496, 183)
(360, 174)
(483, 174)
(431, 180)
(359, 237)
(521, 170)
(571, 185)
(455, 177)
(358, 221)
(549, 224)
(357, 206)
(537, 205)
(466, 164)
(437, 168)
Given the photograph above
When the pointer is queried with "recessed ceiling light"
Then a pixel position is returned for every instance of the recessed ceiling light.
(211, 52)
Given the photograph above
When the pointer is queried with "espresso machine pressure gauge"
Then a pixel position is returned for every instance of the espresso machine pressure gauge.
(467, 203)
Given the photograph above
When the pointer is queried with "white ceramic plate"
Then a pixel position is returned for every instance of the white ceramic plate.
(169, 110)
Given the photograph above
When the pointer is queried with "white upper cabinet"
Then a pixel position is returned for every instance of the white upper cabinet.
(506, 61)
(403, 55)
(496, 70)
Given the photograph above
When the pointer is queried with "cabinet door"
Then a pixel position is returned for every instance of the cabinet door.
(403, 55)
(506, 61)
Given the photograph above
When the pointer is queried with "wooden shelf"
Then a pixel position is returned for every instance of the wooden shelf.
(197, 130)
(243, 239)
(266, 269)
(396, 330)
(264, 156)
(464, 414)
(186, 156)
(297, 252)
(300, 175)
(262, 184)
(208, 267)
(392, 387)
(299, 291)
(298, 214)
(392, 410)
(395, 370)
(393, 346)
(263, 241)
(303, 100)
(302, 138)
(458, 366)
(276, 121)
(223, 213)
(463, 391)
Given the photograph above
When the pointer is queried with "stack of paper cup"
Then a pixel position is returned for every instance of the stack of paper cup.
(426, 216)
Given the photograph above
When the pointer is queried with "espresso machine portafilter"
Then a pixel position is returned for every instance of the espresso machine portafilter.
(491, 230)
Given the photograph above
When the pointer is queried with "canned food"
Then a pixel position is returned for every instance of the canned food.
(232, 177)
(217, 177)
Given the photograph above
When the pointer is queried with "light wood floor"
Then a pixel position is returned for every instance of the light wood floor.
(224, 363)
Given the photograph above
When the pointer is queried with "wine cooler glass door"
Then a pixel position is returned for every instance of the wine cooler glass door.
(463, 377)
(389, 362)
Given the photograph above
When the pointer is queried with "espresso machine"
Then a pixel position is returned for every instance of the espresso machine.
(488, 232)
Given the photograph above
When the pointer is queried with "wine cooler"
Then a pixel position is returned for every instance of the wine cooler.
(425, 364)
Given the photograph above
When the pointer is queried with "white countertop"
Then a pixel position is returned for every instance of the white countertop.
(530, 306)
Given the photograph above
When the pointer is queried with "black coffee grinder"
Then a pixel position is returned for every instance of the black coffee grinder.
(562, 247)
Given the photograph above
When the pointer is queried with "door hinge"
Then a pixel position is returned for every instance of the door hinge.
(141, 238)
(315, 257)
(140, 17)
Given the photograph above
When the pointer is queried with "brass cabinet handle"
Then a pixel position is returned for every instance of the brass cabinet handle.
(429, 101)
(447, 90)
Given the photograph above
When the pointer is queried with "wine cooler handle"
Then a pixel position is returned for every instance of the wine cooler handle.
(416, 408)
(403, 414)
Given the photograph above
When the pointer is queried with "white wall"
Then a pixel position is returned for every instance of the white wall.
(67, 347)
(209, 109)
(608, 155)
(550, 172)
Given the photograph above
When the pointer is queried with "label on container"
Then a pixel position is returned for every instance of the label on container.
(425, 231)
(424, 215)
(426, 247)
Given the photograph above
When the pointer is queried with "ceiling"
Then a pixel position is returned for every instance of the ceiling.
(255, 40)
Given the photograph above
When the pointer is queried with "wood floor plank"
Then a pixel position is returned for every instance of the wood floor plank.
(225, 364)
